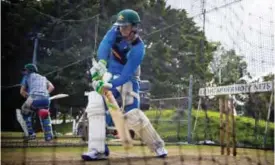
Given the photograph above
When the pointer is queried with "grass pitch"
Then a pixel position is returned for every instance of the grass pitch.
(178, 155)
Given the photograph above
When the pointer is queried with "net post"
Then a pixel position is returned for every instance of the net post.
(227, 124)
(233, 127)
(221, 108)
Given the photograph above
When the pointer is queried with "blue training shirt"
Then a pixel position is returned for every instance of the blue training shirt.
(123, 58)
(35, 84)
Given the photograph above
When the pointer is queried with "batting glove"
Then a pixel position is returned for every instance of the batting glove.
(100, 85)
(98, 70)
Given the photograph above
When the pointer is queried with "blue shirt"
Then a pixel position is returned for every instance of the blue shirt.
(35, 84)
(134, 56)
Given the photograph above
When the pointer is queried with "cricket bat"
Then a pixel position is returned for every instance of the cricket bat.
(58, 96)
(119, 120)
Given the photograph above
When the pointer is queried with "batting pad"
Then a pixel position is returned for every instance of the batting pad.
(22, 122)
(142, 126)
(46, 123)
(96, 116)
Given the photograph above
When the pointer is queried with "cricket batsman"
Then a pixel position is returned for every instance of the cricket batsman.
(120, 53)
(36, 89)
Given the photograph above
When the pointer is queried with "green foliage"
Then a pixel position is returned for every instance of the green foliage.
(227, 65)
(172, 55)
(71, 38)
(63, 128)
(19, 134)
(174, 46)
(209, 130)
(258, 104)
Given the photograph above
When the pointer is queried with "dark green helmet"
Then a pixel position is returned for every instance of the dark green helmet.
(30, 68)
(127, 17)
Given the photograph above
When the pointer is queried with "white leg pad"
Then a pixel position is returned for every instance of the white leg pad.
(21, 121)
(96, 116)
(142, 126)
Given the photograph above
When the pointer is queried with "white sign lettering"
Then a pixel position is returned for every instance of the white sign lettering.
(237, 88)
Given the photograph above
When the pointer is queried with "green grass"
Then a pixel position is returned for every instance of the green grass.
(60, 128)
(171, 130)
(190, 154)
(120, 148)
(210, 130)
(63, 128)
(18, 134)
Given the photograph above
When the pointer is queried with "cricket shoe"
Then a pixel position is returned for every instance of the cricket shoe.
(30, 137)
(161, 152)
(95, 155)
(48, 138)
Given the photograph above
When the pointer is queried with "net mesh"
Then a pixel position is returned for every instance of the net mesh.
(192, 135)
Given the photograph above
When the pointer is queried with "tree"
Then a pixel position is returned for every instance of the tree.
(173, 54)
(227, 67)
(72, 31)
(258, 103)
(19, 21)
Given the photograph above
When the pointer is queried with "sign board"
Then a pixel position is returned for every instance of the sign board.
(237, 88)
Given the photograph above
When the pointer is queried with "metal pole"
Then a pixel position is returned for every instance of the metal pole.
(34, 57)
(220, 75)
(267, 119)
(233, 129)
(189, 137)
(227, 126)
(222, 128)
(203, 32)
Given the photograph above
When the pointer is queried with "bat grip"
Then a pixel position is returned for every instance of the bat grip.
(111, 99)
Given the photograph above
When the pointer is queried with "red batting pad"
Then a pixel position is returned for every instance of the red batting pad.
(43, 113)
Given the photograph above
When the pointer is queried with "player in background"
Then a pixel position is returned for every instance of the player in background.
(36, 89)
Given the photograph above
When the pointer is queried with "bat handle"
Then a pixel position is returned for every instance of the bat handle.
(110, 97)
(108, 94)
(94, 62)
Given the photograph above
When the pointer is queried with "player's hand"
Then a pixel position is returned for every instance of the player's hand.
(98, 70)
(100, 86)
